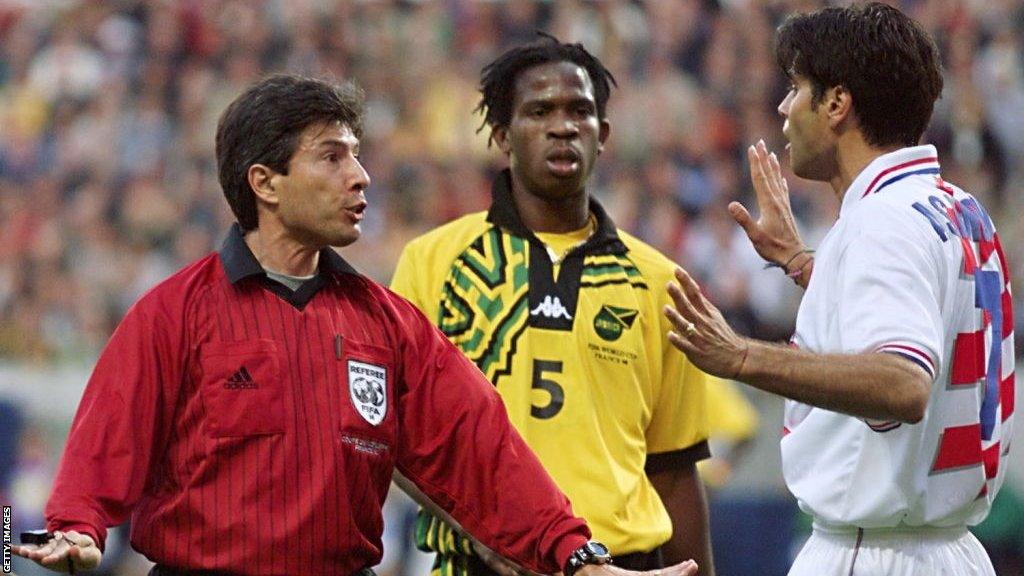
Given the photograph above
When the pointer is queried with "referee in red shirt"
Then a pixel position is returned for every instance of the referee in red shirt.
(249, 411)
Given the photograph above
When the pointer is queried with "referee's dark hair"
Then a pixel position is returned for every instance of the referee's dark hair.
(498, 79)
(262, 126)
(884, 59)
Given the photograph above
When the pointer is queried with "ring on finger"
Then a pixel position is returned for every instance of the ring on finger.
(690, 329)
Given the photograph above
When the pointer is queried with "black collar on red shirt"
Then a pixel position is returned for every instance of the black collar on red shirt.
(240, 263)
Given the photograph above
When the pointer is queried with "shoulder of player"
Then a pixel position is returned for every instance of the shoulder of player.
(183, 286)
(651, 263)
(897, 212)
(450, 238)
(396, 308)
(169, 303)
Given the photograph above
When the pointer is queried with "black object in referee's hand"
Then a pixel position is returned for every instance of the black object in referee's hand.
(41, 538)
(37, 537)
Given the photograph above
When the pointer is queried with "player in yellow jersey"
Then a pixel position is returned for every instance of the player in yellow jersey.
(562, 312)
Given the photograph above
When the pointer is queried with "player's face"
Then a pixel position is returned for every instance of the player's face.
(807, 130)
(322, 197)
(554, 136)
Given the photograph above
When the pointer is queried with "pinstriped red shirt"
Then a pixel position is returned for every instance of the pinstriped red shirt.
(247, 428)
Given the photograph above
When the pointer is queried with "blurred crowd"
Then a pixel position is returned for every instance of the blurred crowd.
(107, 172)
(108, 111)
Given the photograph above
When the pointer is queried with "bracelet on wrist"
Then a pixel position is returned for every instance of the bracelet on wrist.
(798, 272)
(785, 267)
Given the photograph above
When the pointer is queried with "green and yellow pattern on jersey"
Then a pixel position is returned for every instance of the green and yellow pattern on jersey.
(580, 355)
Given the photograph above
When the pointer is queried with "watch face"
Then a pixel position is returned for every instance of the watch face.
(596, 549)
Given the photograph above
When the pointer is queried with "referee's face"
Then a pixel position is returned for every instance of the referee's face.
(321, 200)
(554, 135)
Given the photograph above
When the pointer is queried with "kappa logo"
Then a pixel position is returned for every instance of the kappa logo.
(367, 386)
(551, 307)
(611, 321)
(240, 380)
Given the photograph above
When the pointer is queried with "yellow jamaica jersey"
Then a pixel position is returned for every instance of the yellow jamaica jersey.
(581, 359)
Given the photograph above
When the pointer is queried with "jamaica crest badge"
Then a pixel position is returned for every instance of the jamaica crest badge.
(368, 387)
(612, 321)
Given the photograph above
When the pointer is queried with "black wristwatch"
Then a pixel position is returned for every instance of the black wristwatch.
(592, 552)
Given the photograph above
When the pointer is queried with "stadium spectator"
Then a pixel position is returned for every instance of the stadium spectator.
(63, 202)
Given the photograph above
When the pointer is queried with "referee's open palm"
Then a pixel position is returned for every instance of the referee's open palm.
(65, 552)
(688, 568)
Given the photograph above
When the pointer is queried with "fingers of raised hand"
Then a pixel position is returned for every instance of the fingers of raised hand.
(742, 217)
(692, 290)
(681, 326)
(766, 175)
(770, 165)
(683, 332)
(758, 174)
(776, 174)
(683, 313)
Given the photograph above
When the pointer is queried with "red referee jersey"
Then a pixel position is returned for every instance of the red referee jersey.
(247, 428)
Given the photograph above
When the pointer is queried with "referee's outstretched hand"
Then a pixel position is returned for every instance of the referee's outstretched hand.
(688, 568)
(65, 552)
(773, 234)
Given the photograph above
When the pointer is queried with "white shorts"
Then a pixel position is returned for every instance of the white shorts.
(902, 552)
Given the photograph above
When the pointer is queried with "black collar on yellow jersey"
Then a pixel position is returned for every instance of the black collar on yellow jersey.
(604, 240)
(552, 303)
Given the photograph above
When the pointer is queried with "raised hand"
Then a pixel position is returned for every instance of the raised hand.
(773, 234)
(65, 552)
(701, 332)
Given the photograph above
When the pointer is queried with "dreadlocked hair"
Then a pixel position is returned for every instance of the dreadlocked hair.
(498, 79)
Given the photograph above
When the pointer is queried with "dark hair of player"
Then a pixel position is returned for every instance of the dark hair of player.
(262, 126)
(498, 79)
(884, 59)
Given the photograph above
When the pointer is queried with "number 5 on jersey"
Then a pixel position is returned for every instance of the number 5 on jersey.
(541, 381)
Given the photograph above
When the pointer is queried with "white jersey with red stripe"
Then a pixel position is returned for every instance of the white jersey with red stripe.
(913, 267)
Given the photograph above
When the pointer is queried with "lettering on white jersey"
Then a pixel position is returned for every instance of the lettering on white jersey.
(551, 307)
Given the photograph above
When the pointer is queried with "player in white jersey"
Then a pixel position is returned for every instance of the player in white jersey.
(900, 373)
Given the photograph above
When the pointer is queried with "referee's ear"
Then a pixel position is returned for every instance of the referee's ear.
(261, 180)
